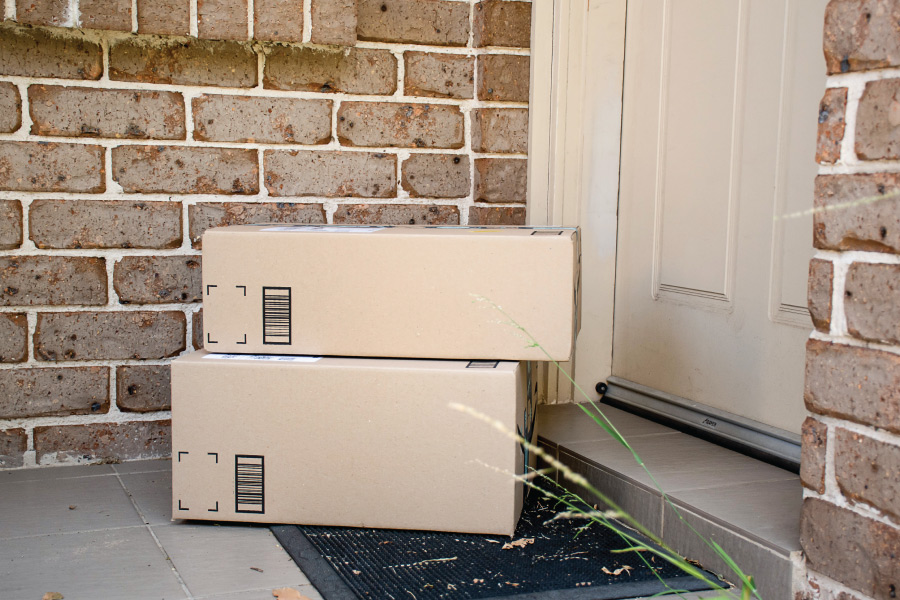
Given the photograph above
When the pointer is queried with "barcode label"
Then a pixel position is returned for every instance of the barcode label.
(482, 364)
(249, 484)
(277, 315)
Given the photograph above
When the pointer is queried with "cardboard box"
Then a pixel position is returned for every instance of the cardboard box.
(419, 292)
(347, 442)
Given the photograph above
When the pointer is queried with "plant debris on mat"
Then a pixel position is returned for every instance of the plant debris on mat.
(548, 559)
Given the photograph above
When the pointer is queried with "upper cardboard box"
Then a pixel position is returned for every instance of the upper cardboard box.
(408, 291)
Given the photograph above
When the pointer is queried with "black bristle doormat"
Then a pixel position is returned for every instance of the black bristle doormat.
(564, 562)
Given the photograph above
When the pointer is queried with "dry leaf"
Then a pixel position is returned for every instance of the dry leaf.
(288, 594)
(53, 596)
(618, 571)
(520, 543)
(257, 569)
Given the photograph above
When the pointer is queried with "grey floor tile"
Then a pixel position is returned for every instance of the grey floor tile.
(100, 565)
(264, 594)
(45, 473)
(566, 423)
(42, 506)
(214, 559)
(143, 466)
(152, 491)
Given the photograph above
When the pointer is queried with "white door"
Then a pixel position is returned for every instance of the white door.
(718, 141)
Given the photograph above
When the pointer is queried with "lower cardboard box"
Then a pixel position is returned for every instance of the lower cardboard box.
(361, 442)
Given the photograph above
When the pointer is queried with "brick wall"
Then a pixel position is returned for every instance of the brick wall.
(850, 527)
(127, 128)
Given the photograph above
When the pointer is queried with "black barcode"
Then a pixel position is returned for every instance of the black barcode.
(482, 364)
(277, 315)
(249, 484)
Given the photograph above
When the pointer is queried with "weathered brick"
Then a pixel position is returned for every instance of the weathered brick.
(878, 121)
(53, 391)
(51, 167)
(31, 52)
(501, 180)
(40, 280)
(143, 388)
(222, 19)
(109, 335)
(503, 77)
(85, 112)
(348, 70)
(331, 174)
(396, 214)
(812, 457)
(105, 14)
(10, 224)
(861, 35)
(13, 443)
(500, 130)
(436, 175)
(868, 470)
(263, 120)
(104, 441)
(164, 17)
(13, 338)
(497, 215)
(10, 107)
(204, 215)
(857, 212)
(819, 292)
(400, 125)
(438, 75)
(858, 384)
(855, 550)
(278, 20)
(431, 22)
(832, 111)
(183, 62)
(183, 170)
(53, 13)
(502, 23)
(197, 329)
(872, 302)
(104, 224)
(333, 22)
(157, 279)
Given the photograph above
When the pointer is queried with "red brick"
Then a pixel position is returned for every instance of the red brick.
(105, 14)
(13, 443)
(438, 75)
(878, 121)
(104, 224)
(165, 17)
(183, 62)
(503, 130)
(812, 457)
(396, 214)
(183, 170)
(157, 279)
(497, 215)
(857, 551)
(503, 77)
(331, 174)
(502, 23)
(85, 112)
(349, 70)
(436, 175)
(400, 125)
(10, 224)
(109, 335)
(857, 212)
(334, 22)
(197, 329)
(104, 441)
(13, 338)
(222, 19)
(264, 120)
(431, 22)
(53, 280)
(204, 215)
(501, 180)
(278, 20)
(861, 35)
(872, 302)
(10, 107)
(51, 167)
(52, 13)
(832, 111)
(31, 52)
(858, 384)
(868, 470)
(143, 388)
(819, 292)
(32, 392)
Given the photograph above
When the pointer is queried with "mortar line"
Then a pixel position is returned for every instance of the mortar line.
(134, 16)
(9, 10)
(251, 9)
(307, 21)
(193, 23)
(74, 14)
